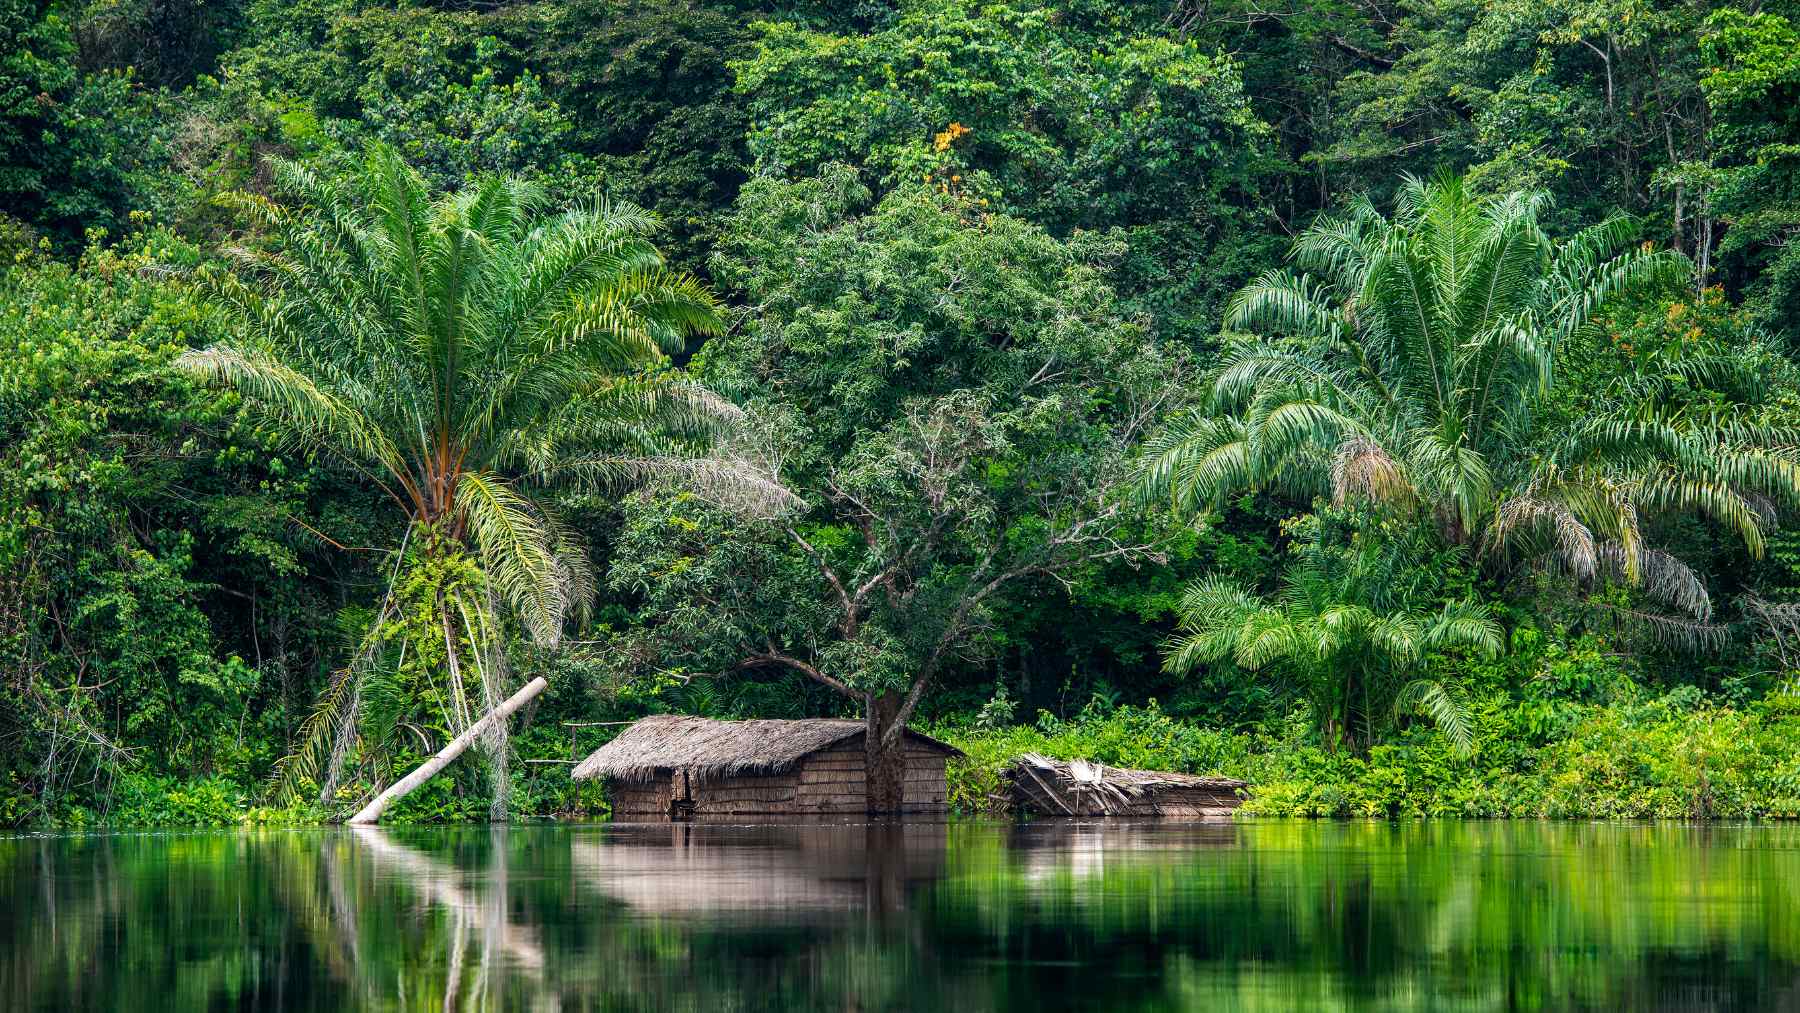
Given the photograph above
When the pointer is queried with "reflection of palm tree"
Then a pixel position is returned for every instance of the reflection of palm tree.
(351, 937)
(340, 941)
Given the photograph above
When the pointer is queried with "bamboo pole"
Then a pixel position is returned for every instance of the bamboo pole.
(429, 769)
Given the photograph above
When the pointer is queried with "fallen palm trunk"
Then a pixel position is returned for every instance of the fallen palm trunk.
(430, 768)
(1047, 787)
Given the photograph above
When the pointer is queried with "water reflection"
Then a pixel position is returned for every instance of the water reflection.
(477, 920)
(918, 916)
(789, 874)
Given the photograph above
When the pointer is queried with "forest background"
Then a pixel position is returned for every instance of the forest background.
(975, 268)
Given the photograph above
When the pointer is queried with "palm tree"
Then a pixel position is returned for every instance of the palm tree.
(464, 353)
(1332, 635)
(1405, 358)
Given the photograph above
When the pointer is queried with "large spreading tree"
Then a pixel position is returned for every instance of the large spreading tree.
(954, 394)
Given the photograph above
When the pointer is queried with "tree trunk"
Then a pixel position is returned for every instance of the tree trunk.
(886, 764)
(429, 769)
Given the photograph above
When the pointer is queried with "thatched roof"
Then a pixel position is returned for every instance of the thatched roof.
(711, 748)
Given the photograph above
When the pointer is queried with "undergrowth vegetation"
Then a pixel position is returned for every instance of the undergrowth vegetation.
(1672, 756)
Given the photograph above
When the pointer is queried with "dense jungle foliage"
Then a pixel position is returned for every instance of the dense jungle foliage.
(1393, 405)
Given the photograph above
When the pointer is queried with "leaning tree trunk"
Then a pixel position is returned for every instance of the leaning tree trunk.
(429, 769)
(886, 761)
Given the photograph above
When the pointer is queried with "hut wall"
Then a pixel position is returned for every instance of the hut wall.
(831, 781)
(747, 793)
(751, 793)
(648, 797)
(926, 790)
(834, 780)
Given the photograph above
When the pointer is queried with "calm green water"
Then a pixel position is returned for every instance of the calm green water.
(965, 917)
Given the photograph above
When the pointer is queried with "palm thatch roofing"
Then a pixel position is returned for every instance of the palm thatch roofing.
(709, 748)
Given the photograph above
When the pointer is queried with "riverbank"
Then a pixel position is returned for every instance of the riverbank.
(1677, 756)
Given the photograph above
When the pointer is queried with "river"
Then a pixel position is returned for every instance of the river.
(1260, 915)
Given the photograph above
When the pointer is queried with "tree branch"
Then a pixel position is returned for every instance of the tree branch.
(850, 609)
(775, 658)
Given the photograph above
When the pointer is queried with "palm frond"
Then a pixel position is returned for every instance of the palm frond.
(329, 731)
(518, 553)
(1363, 469)
(1661, 576)
(1571, 541)
(1717, 500)
(1196, 461)
(1669, 631)
(742, 485)
(1444, 707)
(1288, 304)
(1463, 625)
(302, 410)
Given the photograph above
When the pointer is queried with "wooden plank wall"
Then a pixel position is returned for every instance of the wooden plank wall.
(750, 793)
(640, 798)
(833, 781)
(836, 781)
(926, 790)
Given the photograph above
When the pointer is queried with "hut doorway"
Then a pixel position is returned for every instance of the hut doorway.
(681, 795)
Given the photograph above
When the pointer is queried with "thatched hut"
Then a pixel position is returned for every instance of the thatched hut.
(1047, 787)
(668, 765)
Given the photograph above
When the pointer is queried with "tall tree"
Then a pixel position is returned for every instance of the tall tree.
(463, 353)
(954, 394)
(1403, 362)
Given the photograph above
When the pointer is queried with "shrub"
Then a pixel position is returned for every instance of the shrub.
(146, 800)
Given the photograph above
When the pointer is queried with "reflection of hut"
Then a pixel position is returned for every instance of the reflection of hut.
(1049, 787)
(763, 873)
(671, 765)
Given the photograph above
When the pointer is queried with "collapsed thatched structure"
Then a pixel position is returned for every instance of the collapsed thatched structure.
(669, 765)
(1048, 787)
